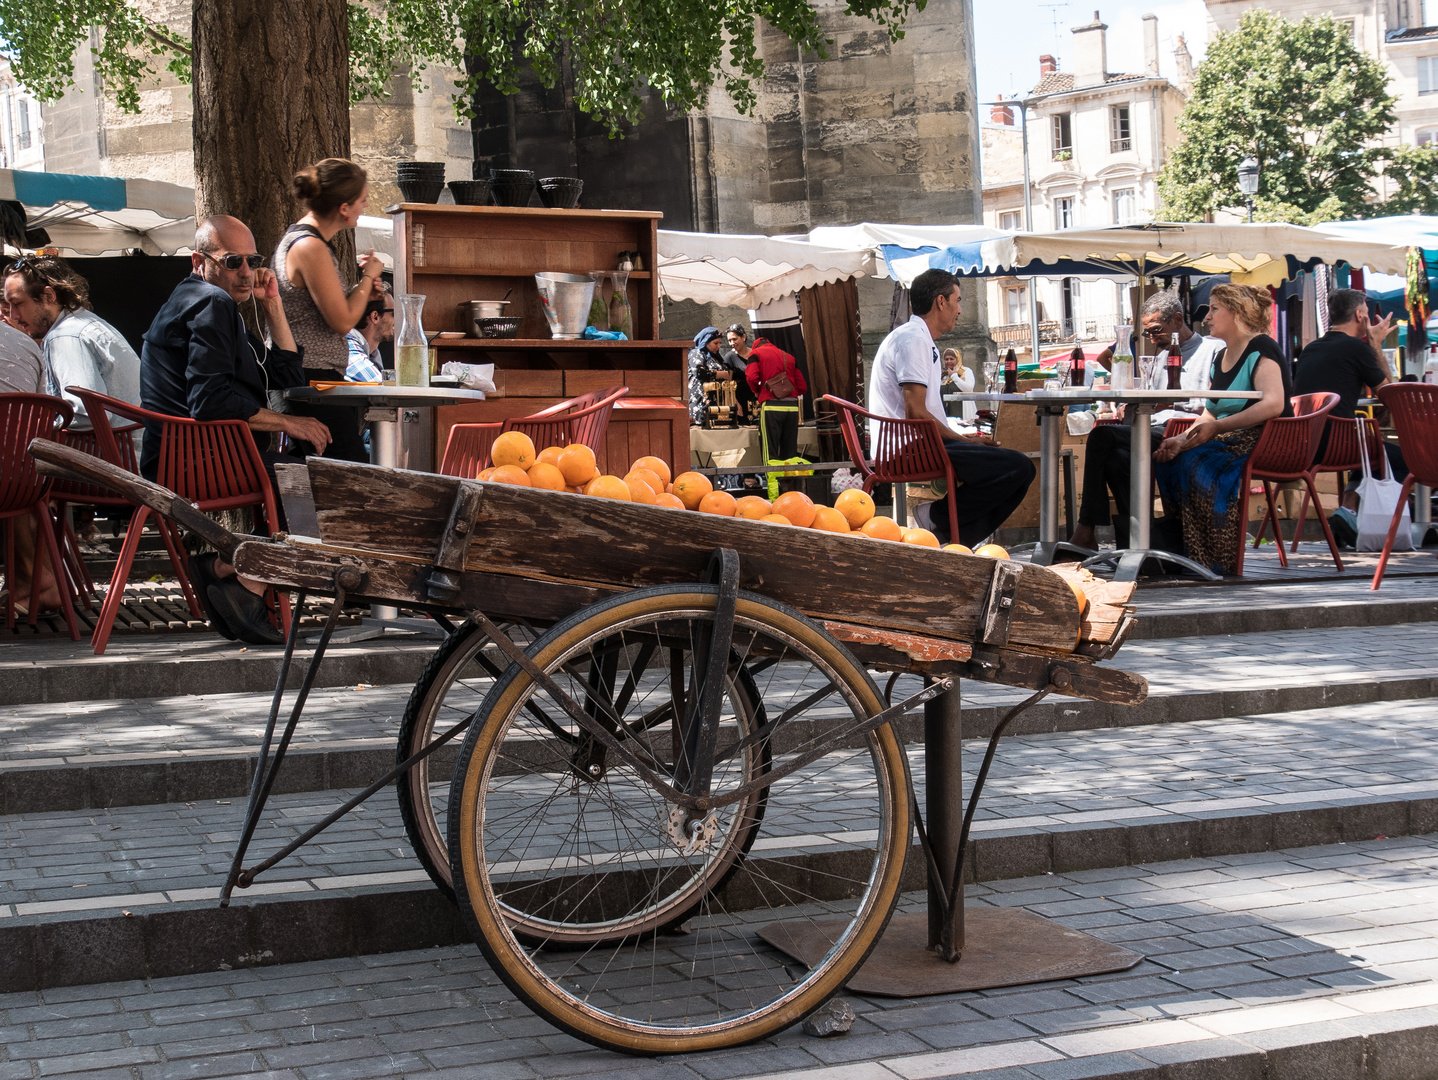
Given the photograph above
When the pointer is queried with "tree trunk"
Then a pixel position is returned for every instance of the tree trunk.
(271, 95)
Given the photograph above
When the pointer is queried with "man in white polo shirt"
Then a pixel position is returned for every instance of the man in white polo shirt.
(905, 383)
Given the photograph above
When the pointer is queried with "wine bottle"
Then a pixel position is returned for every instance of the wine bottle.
(1011, 373)
(1174, 363)
(1076, 375)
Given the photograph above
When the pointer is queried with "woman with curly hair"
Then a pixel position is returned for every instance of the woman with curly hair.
(1200, 471)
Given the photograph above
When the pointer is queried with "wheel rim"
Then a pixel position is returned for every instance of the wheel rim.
(589, 936)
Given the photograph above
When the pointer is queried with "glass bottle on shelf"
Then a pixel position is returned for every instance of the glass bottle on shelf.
(411, 350)
(620, 316)
(598, 311)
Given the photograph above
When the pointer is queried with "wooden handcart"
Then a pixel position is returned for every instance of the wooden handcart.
(673, 752)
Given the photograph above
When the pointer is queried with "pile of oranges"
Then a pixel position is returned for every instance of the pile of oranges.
(574, 469)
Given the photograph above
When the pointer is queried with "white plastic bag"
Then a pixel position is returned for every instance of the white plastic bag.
(471, 376)
(1377, 499)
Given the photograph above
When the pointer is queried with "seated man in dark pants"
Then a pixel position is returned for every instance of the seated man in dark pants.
(1348, 361)
(200, 361)
(1107, 451)
(905, 383)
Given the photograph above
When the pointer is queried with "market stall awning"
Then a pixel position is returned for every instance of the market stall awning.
(99, 215)
(749, 271)
(1155, 249)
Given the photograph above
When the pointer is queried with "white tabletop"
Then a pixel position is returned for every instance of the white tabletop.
(1079, 394)
(386, 396)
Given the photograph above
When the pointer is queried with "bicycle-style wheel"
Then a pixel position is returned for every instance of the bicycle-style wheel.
(451, 689)
(625, 919)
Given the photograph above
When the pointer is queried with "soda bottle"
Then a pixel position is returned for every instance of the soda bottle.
(1174, 363)
(1011, 372)
(1076, 375)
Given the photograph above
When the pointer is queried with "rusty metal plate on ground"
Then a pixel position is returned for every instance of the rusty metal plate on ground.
(1002, 947)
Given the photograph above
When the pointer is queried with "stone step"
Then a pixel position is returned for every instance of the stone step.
(175, 749)
(1299, 964)
(101, 895)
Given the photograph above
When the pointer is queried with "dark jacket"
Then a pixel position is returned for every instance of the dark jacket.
(200, 361)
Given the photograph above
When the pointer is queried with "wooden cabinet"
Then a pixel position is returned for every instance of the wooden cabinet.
(453, 254)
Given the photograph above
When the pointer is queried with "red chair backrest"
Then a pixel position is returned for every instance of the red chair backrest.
(1340, 452)
(1289, 444)
(23, 418)
(467, 449)
(847, 427)
(212, 463)
(88, 442)
(903, 449)
(584, 419)
(1177, 425)
(1414, 409)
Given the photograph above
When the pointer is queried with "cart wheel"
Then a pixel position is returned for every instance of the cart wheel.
(576, 876)
(451, 688)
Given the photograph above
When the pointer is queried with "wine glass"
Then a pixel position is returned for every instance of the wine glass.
(1062, 369)
(991, 375)
(1149, 366)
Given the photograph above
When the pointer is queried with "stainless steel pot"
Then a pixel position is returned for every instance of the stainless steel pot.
(471, 311)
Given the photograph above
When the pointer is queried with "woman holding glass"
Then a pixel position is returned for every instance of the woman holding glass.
(1200, 470)
(320, 309)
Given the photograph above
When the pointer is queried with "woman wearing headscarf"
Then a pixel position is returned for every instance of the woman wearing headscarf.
(705, 365)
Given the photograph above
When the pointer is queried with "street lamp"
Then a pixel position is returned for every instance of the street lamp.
(1023, 107)
(1248, 182)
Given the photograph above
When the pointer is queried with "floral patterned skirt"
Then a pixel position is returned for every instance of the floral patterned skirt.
(1203, 484)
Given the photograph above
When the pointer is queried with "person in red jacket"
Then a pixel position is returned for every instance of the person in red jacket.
(776, 380)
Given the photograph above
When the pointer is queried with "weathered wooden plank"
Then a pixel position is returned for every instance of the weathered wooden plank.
(852, 579)
(918, 648)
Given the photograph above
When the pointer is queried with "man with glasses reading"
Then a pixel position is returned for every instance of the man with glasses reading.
(199, 360)
(1107, 451)
(51, 303)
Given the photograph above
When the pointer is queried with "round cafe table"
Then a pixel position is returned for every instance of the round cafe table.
(384, 408)
(1053, 406)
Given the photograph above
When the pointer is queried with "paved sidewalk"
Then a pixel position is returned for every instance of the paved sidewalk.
(1252, 962)
(91, 860)
(360, 714)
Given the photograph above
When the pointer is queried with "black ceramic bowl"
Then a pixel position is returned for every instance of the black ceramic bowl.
(511, 174)
(470, 192)
(512, 192)
(426, 167)
(560, 192)
(421, 191)
(507, 327)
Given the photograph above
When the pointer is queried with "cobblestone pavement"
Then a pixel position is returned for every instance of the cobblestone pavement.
(364, 715)
(1245, 951)
(129, 856)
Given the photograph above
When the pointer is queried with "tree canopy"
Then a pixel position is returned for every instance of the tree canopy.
(1301, 99)
(679, 48)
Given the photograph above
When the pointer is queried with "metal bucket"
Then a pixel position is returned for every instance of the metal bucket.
(566, 299)
(472, 311)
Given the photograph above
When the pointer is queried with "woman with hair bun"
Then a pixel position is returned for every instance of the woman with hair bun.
(1200, 470)
(320, 310)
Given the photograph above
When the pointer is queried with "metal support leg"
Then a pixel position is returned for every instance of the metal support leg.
(1051, 437)
(944, 811)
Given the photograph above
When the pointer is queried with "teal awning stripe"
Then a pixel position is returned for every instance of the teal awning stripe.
(46, 189)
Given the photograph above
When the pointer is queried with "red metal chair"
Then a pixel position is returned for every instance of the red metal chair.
(24, 417)
(1340, 455)
(583, 419)
(906, 451)
(212, 463)
(1285, 452)
(1414, 409)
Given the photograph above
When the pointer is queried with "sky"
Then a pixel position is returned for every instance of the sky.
(1010, 35)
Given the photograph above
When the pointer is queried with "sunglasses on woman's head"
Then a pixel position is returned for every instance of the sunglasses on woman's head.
(234, 262)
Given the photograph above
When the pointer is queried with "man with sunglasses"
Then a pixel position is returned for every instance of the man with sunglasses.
(51, 303)
(200, 360)
(1107, 453)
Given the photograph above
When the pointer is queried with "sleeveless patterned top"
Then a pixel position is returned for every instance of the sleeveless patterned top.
(323, 348)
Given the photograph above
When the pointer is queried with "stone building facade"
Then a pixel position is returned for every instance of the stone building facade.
(22, 143)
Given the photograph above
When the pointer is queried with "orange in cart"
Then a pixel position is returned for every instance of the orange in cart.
(649, 476)
(960, 548)
(776, 519)
(856, 506)
(797, 507)
(921, 537)
(828, 519)
(544, 475)
(753, 507)
(609, 487)
(578, 465)
(550, 455)
(639, 491)
(657, 466)
(882, 528)
(718, 502)
(673, 502)
(512, 448)
(691, 487)
(510, 474)
(991, 551)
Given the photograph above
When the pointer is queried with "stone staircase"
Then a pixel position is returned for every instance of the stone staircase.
(1288, 725)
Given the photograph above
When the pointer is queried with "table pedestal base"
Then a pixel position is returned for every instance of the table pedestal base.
(1003, 947)
(1128, 563)
(377, 627)
(1044, 552)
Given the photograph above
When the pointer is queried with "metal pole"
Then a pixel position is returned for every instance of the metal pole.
(944, 805)
(1029, 227)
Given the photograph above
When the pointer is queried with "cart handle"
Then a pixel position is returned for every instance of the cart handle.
(65, 462)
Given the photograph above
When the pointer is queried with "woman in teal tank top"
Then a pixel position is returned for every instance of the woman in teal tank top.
(1200, 471)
